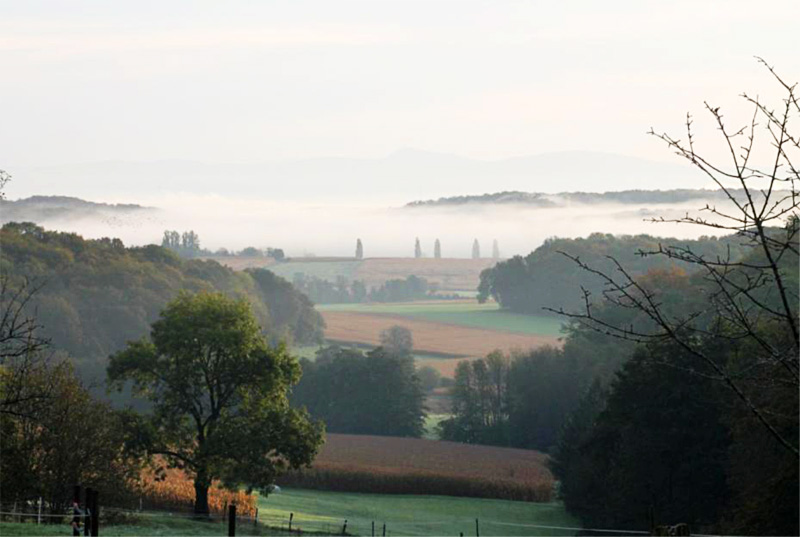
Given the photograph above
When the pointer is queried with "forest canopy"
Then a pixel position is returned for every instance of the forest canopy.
(96, 295)
(546, 278)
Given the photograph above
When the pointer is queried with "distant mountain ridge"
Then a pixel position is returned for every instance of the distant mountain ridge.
(41, 209)
(539, 199)
(401, 175)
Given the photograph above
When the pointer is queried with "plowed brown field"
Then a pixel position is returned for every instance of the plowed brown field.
(428, 336)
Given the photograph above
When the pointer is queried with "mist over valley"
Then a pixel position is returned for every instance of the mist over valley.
(518, 221)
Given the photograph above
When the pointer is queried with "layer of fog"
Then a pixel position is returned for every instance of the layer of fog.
(332, 229)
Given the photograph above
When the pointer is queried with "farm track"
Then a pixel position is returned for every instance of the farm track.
(429, 336)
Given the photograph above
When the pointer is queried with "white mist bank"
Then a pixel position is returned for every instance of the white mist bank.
(332, 229)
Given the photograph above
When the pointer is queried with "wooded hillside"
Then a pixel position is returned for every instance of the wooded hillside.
(546, 278)
(97, 294)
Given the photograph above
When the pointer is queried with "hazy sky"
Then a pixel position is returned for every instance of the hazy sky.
(240, 81)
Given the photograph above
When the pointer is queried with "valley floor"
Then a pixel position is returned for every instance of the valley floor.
(412, 515)
(325, 513)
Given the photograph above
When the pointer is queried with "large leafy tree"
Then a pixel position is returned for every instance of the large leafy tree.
(378, 393)
(60, 437)
(655, 454)
(219, 395)
(735, 332)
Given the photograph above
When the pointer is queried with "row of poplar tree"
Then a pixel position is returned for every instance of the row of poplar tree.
(437, 249)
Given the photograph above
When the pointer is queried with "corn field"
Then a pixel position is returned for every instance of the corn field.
(173, 489)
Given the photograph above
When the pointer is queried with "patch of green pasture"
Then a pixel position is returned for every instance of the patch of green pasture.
(401, 308)
(432, 421)
(309, 352)
(488, 316)
(326, 270)
(144, 525)
(411, 515)
(423, 356)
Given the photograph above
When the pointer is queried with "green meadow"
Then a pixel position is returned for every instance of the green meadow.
(325, 512)
(309, 352)
(411, 515)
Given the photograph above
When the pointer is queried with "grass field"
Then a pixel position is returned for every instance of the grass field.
(325, 512)
(432, 421)
(411, 515)
(460, 312)
(309, 352)
(146, 524)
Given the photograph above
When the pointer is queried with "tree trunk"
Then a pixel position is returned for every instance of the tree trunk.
(201, 486)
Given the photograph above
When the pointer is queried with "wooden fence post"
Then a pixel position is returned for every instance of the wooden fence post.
(373, 528)
(477, 529)
(39, 518)
(232, 520)
(95, 514)
(344, 528)
(384, 529)
(291, 516)
(255, 518)
(87, 512)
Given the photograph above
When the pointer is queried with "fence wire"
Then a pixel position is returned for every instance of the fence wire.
(329, 526)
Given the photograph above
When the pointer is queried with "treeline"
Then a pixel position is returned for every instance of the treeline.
(55, 434)
(377, 393)
(342, 291)
(187, 244)
(546, 278)
(43, 209)
(536, 199)
(97, 294)
(649, 430)
(674, 434)
(522, 400)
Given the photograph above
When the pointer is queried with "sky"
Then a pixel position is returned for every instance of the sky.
(309, 122)
(254, 81)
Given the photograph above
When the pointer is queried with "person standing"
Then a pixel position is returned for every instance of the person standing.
(77, 514)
